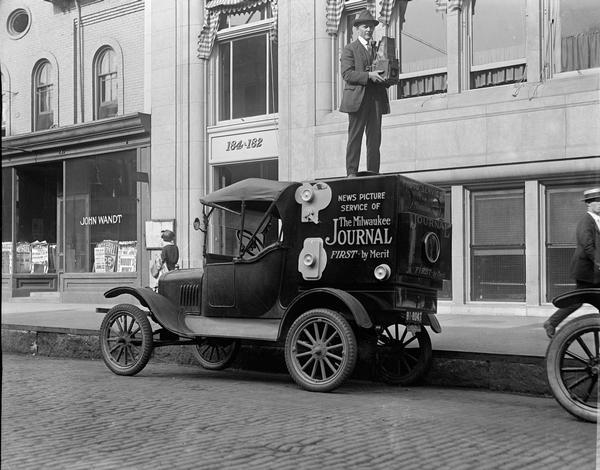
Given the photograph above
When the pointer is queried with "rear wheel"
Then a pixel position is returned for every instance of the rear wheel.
(573, 366)
(126, 339)
(216, 353)
(320, 350)
(403, 357)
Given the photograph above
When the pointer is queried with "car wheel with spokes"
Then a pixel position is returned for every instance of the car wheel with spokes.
(216, 353)
(320, 350)
(573, 366)
(126, 339)
(403, 357)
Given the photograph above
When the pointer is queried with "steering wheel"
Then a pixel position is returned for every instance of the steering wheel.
(250, 244)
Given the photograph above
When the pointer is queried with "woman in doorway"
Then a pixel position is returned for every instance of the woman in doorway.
(169, 254)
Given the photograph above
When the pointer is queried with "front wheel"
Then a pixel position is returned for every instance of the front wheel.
(573, 364)
(320, 350)
(216, 353)
(403, 357)
(126, 339)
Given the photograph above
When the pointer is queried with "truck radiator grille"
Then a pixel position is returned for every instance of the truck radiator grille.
(188, 295)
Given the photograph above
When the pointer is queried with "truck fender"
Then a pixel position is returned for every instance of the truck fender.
(325, 297)
(163, 311)
(590, 295)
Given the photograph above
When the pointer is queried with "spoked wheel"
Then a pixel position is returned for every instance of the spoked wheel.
(403, 357)
(320, 350)
(573, 364)
(126, 339)
(216, 353)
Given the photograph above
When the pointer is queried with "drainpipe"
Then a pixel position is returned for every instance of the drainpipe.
(80, 58)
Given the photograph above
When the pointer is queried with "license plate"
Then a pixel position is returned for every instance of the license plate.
(414, 316)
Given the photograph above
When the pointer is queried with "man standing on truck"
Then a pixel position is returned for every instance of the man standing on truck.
(365, 96)
(585, 264)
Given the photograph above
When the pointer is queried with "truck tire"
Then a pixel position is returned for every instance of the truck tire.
(320, 350)
(402, 357)
(216, 353)
(573, 365)
(126, 339)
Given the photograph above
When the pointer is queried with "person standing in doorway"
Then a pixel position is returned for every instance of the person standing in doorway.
(169, 254)
(585, 264)
(365, 97)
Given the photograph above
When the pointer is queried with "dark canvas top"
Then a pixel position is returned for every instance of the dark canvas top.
(251, 189)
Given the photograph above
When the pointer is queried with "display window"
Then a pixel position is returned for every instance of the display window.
(7, 252)
(37, 188)
(101, 214)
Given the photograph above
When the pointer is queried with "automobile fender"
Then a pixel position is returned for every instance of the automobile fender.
(589, 295)
(326, 298)
(163, 311)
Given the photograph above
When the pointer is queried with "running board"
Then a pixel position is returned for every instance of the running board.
(243, 328)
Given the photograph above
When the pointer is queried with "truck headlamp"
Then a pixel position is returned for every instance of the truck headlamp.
(382, 272)
(308, 259)
(307, 194)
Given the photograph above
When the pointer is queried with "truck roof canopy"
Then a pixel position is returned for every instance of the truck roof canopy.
(248, 190)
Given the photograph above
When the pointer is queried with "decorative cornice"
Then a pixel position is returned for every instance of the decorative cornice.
(120, 128)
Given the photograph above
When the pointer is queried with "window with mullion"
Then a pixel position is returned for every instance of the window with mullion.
(247, 79)
(420, 33)
(498, 245)
(563, 211)
(106, 83)
(498, 29)
(43, 110)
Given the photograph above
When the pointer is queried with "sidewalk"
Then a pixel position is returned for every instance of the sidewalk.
(504, 353)
(512, 335)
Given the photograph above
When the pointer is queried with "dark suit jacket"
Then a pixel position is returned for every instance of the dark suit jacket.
(582, 264)
(354, 67)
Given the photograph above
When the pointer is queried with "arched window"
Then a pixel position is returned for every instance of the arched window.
(43, 96)
(107, 104)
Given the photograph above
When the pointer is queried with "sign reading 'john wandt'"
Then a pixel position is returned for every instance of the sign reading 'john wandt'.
(107, 219)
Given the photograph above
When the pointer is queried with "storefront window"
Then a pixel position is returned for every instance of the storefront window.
(101, 214)
(498, 42)
(7, 264)
(498, 246)
(37, 191)
(563, 211)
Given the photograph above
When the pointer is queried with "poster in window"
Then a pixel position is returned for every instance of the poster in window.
(23, 257)
(39, 257)
(111, 248)
(126, 261)
(7, 260)
(99, 259)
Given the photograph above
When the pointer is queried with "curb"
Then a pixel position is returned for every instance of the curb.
(497, 372)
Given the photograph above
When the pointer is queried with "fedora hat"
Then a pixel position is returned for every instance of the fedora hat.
(365, 17)
(591, 195)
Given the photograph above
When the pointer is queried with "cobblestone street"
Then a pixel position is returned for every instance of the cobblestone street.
(75, 414)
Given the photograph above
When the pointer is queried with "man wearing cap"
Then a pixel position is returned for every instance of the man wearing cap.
(585, 264)
(365, 96)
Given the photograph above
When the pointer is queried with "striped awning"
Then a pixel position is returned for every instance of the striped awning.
(385, 12)
(335, 8)
(212, 11)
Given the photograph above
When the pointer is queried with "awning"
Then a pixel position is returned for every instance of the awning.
(335, 8)
(214, 8)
